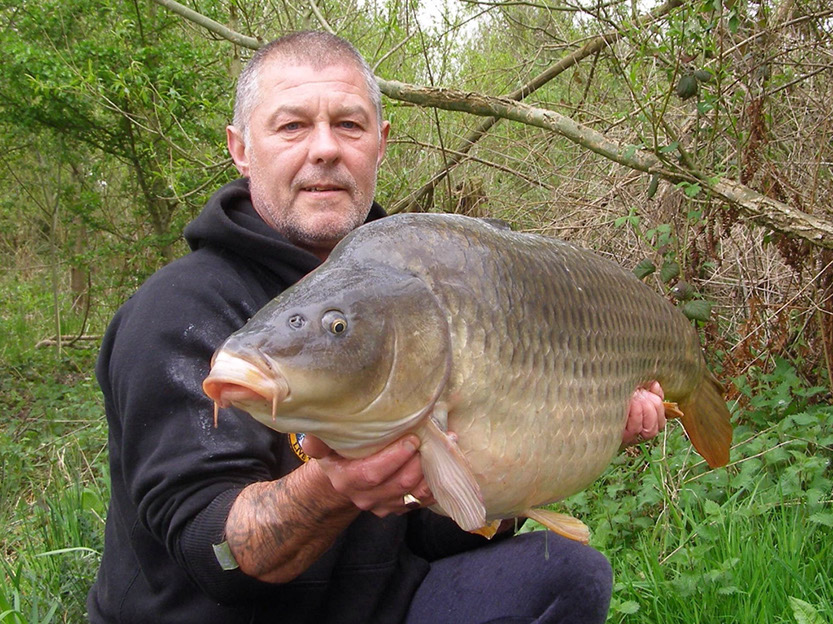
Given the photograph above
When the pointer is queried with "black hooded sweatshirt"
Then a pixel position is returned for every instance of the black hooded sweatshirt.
(174, 476)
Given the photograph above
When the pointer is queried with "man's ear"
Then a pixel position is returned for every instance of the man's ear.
(237, 149)
(383, 144)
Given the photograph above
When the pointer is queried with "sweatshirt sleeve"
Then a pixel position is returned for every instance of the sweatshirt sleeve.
(180, 472)
(432, 536)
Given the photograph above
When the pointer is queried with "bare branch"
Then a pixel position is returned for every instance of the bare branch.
(210, 24)
(758, 208)
(320, 17)
(591, 47)
(487, 163)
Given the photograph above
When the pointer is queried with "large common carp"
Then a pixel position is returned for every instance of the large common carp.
(526, 348)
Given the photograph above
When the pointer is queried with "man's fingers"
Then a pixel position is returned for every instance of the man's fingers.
(636, 414)
(314, 447)
(655, 388)
(389, 481)
(416, 498)
(378, 482)
(399, 457)
(392, 495)
(646, 414)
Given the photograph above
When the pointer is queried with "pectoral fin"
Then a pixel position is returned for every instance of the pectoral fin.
(564, 525)
(450, 478)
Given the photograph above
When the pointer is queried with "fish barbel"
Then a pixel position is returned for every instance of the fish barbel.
(526, 348)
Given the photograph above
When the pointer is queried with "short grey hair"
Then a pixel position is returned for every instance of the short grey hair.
(314, 47)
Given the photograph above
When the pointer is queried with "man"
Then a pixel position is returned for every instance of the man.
(231, 524)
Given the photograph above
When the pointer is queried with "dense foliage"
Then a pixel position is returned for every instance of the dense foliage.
(112, 116)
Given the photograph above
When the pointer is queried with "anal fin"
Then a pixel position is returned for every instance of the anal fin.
(564, 525)
(450, 478)
(489, 530)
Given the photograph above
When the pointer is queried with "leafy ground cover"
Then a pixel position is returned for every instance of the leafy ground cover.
(751, 542)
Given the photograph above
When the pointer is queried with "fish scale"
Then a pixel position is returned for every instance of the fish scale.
(533, 375)
(526, 348)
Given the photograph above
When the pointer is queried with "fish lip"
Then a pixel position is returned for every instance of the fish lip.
(270, 383)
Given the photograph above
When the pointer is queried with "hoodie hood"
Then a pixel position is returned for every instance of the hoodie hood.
(229, 222)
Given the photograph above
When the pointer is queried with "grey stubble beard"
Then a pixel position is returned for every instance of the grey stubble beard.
(281, 218)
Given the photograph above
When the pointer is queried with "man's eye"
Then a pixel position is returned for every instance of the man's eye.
(349, 125)
(291, 126)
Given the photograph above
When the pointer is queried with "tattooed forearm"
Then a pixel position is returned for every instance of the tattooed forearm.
(276, 530)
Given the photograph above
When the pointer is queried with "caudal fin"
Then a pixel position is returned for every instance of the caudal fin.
(705, 418)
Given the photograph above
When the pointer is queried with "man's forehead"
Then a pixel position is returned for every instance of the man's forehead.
(309, 69)
(289, 86)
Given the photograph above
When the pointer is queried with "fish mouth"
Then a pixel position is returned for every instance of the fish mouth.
(236, 380)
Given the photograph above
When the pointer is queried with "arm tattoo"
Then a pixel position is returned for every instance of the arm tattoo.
(277, 529)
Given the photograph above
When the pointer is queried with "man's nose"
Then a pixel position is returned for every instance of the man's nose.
(324, 145)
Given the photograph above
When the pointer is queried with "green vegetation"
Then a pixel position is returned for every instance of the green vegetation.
(53, 484)
(111, 138)
(750, 542)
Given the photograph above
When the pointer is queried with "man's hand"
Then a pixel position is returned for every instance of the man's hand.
(377, 483)
(277, 529)
(646, 414)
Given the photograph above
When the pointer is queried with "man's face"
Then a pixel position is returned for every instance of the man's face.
(314, 150)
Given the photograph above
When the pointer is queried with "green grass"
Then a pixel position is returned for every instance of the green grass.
(52, 485)
(736, 564)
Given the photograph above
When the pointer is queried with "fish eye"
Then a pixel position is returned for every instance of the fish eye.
(334, 322)
(296, 321)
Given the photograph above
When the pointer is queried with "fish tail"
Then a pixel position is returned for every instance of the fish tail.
(705, 418)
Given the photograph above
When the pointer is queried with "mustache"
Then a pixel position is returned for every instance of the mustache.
(332, 177)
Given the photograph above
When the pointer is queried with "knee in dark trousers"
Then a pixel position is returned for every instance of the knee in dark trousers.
(538, 577)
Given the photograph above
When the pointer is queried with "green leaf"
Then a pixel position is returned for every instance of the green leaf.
(711, 508)
(628, 608)
(631, 219)
(644, 269)
(670, 269)
(671, 147)
(823, 518)
(698, 310)
(687, 87)
(703, 75)
(692, 190)
(682, 291)
(804, 612)
(704, 107)
(653, 186)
